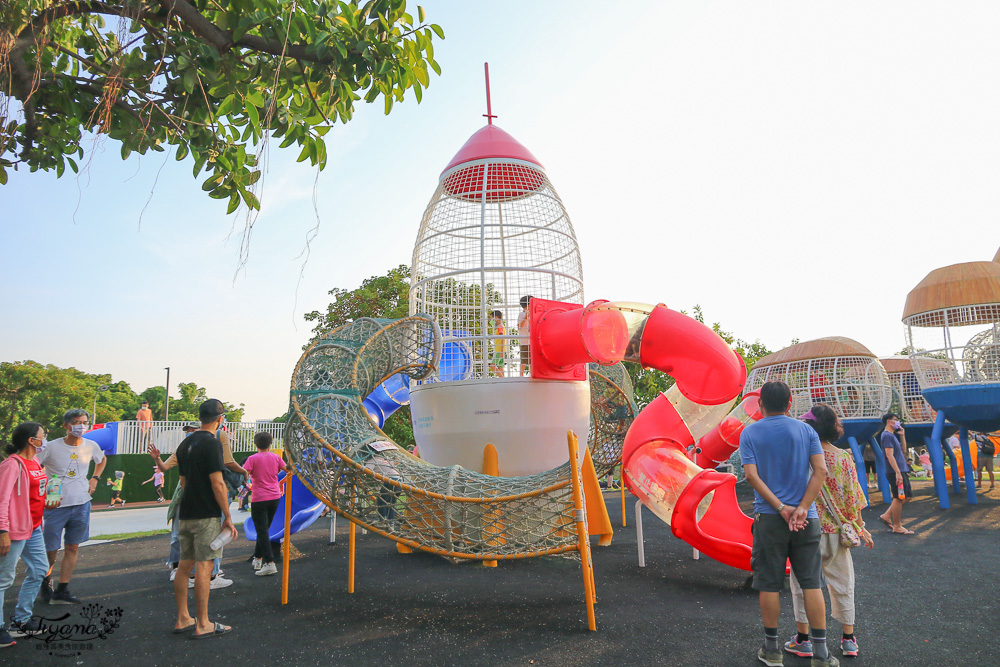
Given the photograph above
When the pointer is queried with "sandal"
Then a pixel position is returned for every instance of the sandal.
(905, 531)
(220, 629)
(885, 521)
(185, 629)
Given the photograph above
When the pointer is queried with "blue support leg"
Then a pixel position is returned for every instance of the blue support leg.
(970, 474)
(883, 481)
(859, 462)
(953, 460)
(937, 461)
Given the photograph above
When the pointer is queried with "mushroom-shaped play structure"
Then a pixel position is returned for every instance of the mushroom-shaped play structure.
(837, 371)
(952, 320)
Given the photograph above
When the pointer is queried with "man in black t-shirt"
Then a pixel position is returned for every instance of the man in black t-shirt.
(199, 459)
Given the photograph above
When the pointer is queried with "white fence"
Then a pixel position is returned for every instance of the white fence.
(134, 436)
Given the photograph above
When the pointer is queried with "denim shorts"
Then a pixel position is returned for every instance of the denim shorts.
(74, 519)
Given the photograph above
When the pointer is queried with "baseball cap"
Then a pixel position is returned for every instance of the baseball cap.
(211, 409)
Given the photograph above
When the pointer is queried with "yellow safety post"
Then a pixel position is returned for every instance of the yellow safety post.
(598, 520)
(583, 540)
(491, 466)
(350, 559)
(286, 552)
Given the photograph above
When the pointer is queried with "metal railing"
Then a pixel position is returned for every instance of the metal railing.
(134, 436)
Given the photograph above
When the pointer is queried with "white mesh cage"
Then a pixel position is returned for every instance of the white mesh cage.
(959, 345)
(912, 404)
(857, 387)
(494, 231)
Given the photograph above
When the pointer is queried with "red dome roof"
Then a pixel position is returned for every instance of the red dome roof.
(491, 142)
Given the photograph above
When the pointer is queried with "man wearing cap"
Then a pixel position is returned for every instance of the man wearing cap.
(199, 459)
(218, 581)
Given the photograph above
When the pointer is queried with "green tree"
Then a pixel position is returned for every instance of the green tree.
(213, 79)
(30, 391)
(379, 296)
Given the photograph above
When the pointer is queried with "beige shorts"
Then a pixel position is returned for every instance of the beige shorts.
(986, 463)
(838, 567)
(196, 537)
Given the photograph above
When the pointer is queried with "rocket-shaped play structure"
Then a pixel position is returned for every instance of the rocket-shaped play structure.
(503, 366)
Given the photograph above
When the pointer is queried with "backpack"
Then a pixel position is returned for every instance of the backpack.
(986, 447)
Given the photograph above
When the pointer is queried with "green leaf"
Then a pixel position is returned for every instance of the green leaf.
(252, 114)
(437, 30)
(226, 106)
(421, 14)
(3, 176)
(234, 203)
(421, 75)
(182, 151)
(250, 199)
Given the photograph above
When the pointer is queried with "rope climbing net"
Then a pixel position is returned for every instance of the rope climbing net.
(356, 469)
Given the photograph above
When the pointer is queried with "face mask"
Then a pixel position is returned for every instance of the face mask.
(78, 430)
(896, 424)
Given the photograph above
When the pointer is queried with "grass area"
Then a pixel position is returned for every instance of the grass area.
(128, 536)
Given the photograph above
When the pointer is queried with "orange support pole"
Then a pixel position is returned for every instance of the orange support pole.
(583, 539)
(286, 552)
(621, 485)
(350, 559)
(491, 466)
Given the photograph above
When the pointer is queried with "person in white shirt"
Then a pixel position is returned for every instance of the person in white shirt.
(69, 458)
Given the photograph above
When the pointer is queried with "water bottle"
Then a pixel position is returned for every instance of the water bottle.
(901, 494)
(222, 539)
(54, 494)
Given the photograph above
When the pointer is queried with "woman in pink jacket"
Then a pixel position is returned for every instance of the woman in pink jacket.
(22, 501)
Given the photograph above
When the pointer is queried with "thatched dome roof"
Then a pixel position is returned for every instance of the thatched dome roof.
(833, 346)
(958, 285)
(897, 364)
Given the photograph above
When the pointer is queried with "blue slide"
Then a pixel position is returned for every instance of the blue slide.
(391, 395)
(306, 508)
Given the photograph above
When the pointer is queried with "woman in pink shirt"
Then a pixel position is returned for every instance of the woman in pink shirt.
(23, 486)
(263, 468)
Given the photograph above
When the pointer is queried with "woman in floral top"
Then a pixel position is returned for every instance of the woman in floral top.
(845, 491)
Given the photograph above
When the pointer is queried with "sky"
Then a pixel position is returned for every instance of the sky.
(794, 168)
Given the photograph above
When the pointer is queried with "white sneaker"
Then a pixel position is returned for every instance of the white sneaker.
(190, 582)
(257, 563)
(173, 574)
(267, 569)
(220, 582)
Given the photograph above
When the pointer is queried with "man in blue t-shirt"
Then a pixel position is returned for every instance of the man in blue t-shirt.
(893, 441)
(777, 454)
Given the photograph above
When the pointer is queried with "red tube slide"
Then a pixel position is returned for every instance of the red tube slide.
(699, 505)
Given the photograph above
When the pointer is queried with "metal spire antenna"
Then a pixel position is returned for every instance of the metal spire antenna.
(489, 107)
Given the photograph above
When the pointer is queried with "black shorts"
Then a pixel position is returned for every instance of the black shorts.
(894, 484)
(115, 495)
(870, 468)
(774, 544)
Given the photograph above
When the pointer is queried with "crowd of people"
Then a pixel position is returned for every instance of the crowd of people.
(807, 513)
(46, 490)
